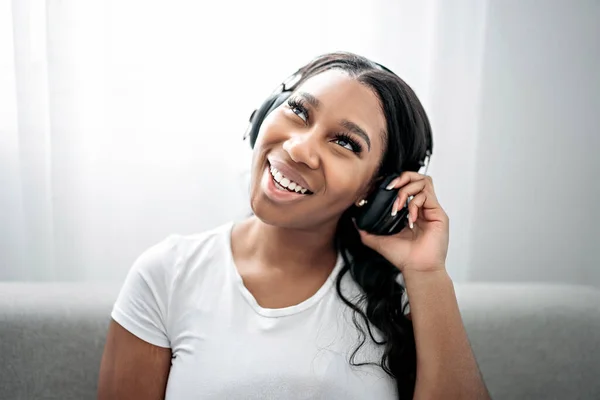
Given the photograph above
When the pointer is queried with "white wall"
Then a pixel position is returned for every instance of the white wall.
(121, 122)
(124, 118)
(537, 185)
(454, 93)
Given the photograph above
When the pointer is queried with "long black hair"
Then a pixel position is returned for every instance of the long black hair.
(407, 141)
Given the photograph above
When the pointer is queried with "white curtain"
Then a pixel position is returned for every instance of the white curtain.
(121, 121)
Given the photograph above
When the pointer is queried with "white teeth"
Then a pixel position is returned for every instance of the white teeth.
(286, 182)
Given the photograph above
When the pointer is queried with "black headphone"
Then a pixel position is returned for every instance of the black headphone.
(375, 215)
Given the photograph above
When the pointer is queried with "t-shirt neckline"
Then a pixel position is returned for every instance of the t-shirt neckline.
(284, 311)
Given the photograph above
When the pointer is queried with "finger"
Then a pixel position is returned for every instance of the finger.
(411, 189)
(405, 178)
(416, 203)
(431, 191)
(398, 204)
(431, 200)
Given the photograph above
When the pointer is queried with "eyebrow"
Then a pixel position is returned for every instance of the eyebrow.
(351, 126)
(312, 100)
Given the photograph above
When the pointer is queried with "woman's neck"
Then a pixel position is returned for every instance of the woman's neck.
(293, 249)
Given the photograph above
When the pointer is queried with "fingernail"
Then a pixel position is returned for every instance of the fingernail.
(410, 223)
(394, 210)
(390, 186)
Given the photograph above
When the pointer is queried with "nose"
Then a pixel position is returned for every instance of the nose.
(303, 148)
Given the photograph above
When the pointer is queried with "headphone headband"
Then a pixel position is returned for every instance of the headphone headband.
(286, 88)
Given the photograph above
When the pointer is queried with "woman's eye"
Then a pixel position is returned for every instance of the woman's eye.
(348, 143)
(298, 108)
(345, 143)
(300, 112)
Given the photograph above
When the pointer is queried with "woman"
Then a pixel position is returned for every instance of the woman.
(296, 302)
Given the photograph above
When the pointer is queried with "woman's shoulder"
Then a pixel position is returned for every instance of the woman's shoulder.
(165, 274)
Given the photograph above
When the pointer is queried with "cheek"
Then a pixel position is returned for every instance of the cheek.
(344, 184)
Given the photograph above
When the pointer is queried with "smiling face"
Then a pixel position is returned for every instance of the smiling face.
(317, 153)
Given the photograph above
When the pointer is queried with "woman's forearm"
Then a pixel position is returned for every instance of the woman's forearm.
(446, 366)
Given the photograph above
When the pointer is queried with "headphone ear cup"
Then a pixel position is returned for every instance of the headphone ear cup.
(259, 115)
(376, 216)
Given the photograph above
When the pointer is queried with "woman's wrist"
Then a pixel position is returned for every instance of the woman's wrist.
(431, 275)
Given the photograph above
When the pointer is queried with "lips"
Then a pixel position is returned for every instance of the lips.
(289, 172)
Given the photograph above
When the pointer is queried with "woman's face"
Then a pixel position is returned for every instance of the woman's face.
(316, 154)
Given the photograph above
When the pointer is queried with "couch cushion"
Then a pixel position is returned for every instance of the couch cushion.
(532, 341)
(52, 338)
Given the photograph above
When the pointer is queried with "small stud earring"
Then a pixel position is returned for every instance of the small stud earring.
(362, 203)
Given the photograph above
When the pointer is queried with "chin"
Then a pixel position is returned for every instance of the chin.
(305, 220)
(270, 215)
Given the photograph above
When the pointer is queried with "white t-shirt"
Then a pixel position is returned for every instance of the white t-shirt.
(186, 294)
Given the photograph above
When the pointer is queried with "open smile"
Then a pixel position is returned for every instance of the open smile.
(284, 183)
(281, 189)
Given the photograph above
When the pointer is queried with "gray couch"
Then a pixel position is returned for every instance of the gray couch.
(531, 341)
